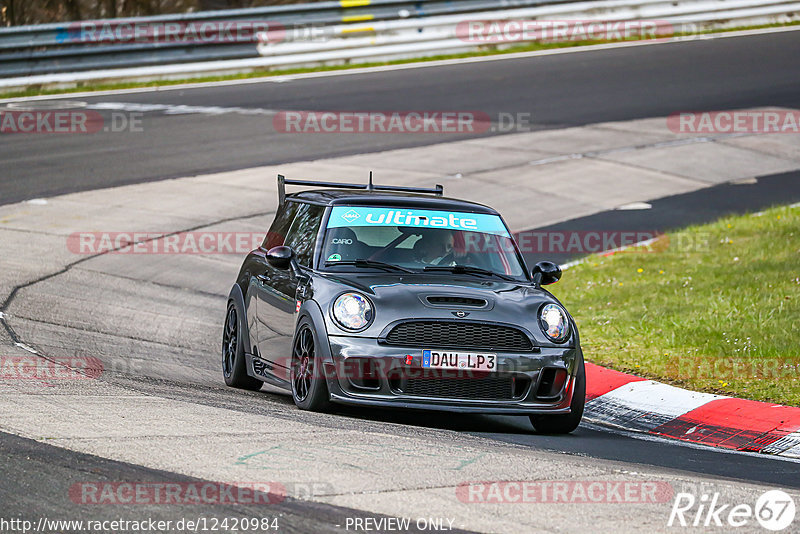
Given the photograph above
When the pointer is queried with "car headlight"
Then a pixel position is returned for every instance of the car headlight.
(352, 311)
(554, 322)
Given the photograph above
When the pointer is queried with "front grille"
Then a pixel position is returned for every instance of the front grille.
(475, 387)
(458, 334)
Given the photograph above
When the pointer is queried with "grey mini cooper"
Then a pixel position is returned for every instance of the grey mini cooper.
(398, 297)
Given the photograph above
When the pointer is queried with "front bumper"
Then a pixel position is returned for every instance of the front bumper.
(368, 373)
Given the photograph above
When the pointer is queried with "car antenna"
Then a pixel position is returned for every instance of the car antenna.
(370, 187)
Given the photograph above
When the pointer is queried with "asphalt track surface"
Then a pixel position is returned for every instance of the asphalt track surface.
(557, 90)
(568, 90)
(592, 441)
(50, 476)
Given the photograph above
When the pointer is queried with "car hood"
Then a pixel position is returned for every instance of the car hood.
(399, 297)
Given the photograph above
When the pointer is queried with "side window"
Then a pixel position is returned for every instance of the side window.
(280, 226)
(303, 232)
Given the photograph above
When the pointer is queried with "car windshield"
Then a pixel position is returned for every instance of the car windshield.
(416, 239)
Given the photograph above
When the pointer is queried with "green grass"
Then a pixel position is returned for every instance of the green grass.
(714, 308)
(490, 50)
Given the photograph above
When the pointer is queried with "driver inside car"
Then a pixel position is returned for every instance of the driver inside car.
(434, 247)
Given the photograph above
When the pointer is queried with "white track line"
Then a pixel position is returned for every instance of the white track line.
(23, 346)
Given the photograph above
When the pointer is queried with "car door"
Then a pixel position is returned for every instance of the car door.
(277, 292)
(267, 331)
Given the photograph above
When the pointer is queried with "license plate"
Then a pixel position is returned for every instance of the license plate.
(440, 359)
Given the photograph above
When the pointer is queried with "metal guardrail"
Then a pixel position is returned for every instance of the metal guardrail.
(68, 47)
(348, 31)
(445, 34)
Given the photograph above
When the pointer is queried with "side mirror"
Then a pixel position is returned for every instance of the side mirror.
(281, 257)
(546, 272)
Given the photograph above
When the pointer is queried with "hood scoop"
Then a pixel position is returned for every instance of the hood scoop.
(448, 301)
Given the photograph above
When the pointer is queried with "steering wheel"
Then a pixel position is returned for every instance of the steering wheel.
(451, 258)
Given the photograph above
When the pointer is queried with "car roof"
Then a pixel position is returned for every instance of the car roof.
(341, 197)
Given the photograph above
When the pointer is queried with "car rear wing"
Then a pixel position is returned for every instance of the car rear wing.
(283, 182)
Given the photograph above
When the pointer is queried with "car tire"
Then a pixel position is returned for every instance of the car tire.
(309, 389)
(564, 424)
(234, 367)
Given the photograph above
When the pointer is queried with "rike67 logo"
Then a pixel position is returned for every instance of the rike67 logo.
(774, 510)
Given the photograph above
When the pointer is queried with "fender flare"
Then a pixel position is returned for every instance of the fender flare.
(236, 295)
(310, 309)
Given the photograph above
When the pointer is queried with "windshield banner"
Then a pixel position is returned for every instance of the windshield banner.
(343, 216)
